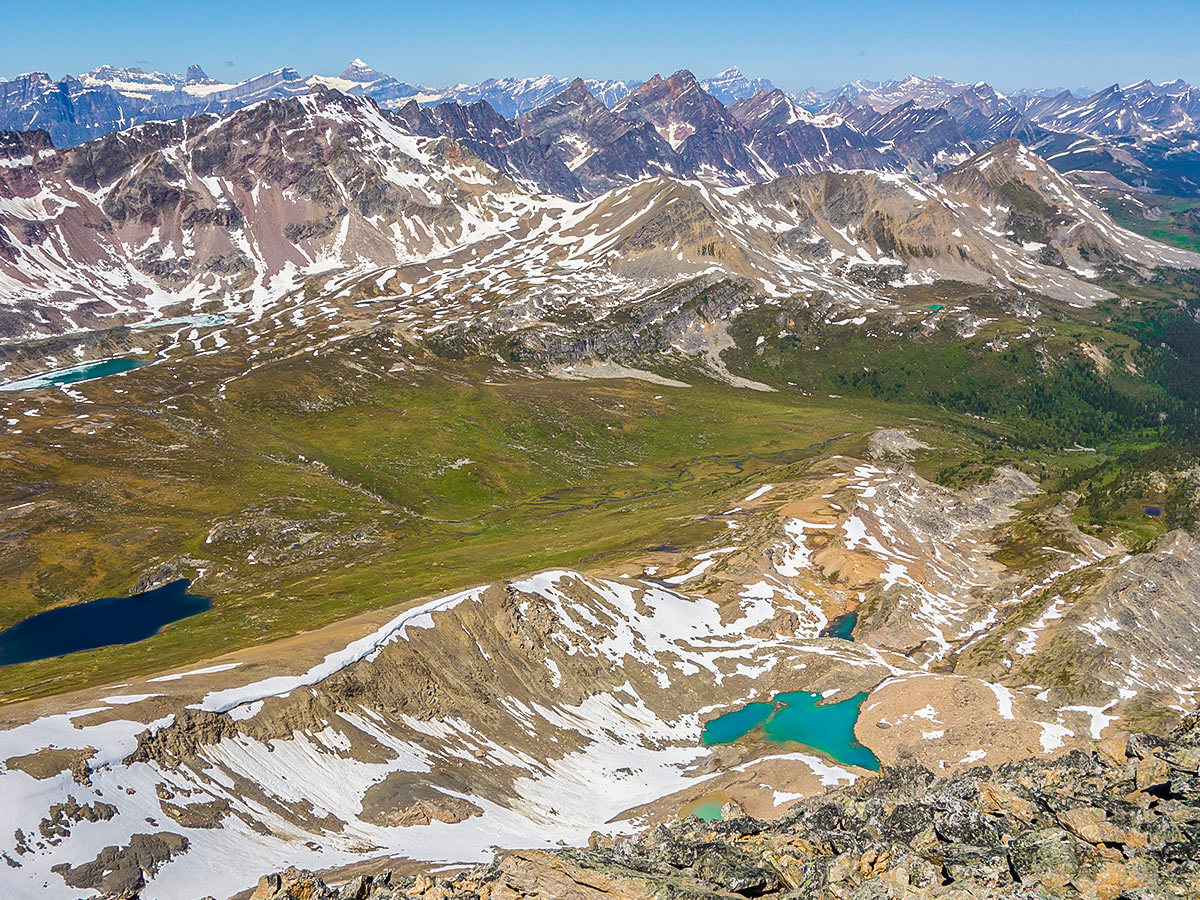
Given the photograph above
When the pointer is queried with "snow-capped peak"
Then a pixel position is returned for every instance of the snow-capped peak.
(731, 85)
(360, 71)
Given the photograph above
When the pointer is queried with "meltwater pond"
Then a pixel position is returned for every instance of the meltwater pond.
(798, 716)
(842, 627)
(202, 320)
(82, 372)
(99, 623)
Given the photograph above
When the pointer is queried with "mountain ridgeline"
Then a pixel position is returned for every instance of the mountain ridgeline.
(329, 192)
(1142, 133)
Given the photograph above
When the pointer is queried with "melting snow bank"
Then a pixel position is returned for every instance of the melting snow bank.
(758, 493)
(200, 321)
(276, 797)
(583, 371)
(207, 670)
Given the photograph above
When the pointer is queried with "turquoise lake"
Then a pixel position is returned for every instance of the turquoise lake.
(81, 372)
(798, 716)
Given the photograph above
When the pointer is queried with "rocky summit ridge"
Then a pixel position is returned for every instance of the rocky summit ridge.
(1121, 821)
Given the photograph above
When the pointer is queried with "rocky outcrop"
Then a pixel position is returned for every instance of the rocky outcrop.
(119, 873)
(64, 815)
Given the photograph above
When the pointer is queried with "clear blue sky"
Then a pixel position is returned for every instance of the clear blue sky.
(796, 44)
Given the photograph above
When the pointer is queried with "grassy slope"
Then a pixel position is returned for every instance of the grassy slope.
(318, 486)
(1099, 401)
(1172, 220)
(344, 490)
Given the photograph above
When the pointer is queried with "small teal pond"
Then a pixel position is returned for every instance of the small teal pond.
(203, 320)
(99, 623)
(709, 812)
(1154, 512)
(842, 627)
(798, 716)
(81, 372)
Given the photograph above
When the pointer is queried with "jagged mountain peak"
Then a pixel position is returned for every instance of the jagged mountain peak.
(659, 90)
(576, 91)
(359, 71)
(774, 104)
(674, 84)
(731, 86)
(683, 77)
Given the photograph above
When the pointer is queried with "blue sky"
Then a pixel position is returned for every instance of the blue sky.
(797, 44)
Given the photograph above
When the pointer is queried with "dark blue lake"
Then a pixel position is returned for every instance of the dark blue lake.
(99, 623)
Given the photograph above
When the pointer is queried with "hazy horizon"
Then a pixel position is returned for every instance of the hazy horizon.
(796, 46)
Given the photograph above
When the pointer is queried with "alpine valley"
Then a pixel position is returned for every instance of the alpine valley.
(585, 489)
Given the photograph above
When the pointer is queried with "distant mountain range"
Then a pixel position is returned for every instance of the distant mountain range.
(242, 208)
(77, 108)
(364, 172)
(580, 136)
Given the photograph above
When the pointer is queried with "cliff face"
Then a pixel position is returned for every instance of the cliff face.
(1121, 821)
